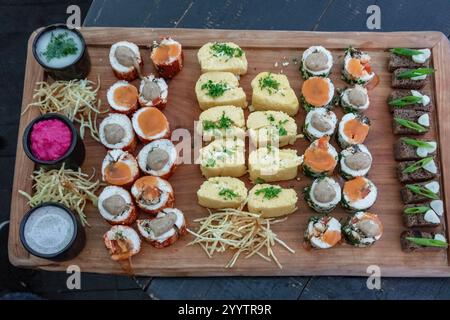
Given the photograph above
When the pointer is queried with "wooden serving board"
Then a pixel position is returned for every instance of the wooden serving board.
(263, 49)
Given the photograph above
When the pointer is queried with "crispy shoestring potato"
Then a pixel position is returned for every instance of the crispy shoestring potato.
(239, 230)
(75, 99)
(71, 188)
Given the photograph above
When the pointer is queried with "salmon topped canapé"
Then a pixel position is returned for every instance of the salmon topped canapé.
(358, 194)
(119, 168)
(123, 97)
(317, 92)
(320, 158)
(353, 129)
(167, 57)
(323, 232)
(152, 194)
(150, 124)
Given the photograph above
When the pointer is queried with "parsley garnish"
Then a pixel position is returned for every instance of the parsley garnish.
(210, 163)
(222, 49)
(269, 83)
(269, 192)
(281, 129)
(223, 123)
(228, 194)
(215, 89)
(60, 46)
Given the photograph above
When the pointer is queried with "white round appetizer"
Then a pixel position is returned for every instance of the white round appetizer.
(123, 97)
(362, 229)
(158, 158)
(319, 122)
(317, 92)
(153, 92)
(358, 194)
(357, 69)
(116, 132)
(125, 60)
(323, 195)
(323, 232)
(150, 124)
(354, 99)
(353, 129)
(152, 194)
(122, 242)
(320, 158)
(355, 161)
(119, 168)
(163, 230)
(116, 206)
(316, 61)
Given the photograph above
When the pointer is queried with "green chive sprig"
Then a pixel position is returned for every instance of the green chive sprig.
(428, 242)
(415, 73)
(410, 124)
(417, 189)
(417, 165)
(406, 52)
(418, 143)
(404, 101)
(416, 210)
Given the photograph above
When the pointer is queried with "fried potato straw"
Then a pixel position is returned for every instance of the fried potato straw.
(76, 99)
(243, 231)
(71, 188)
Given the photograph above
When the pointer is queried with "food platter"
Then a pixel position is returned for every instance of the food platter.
(266, 51)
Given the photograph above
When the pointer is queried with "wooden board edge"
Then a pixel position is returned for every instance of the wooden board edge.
(441, 51)
(23, 167)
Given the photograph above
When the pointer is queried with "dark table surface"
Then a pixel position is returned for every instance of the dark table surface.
(318, 15)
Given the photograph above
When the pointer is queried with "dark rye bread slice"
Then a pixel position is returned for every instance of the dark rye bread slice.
(420, 175)
(398, 61)
(397, 94)
(409, 246)
(406, 152)
(410, 115)
(410, 197)
(406, 83)
(417, 219)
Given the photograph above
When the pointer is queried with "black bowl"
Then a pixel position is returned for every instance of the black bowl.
(79, 69)
(74, 156)
(75, 245)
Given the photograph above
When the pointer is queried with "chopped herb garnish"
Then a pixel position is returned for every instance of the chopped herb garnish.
(119, 235)
(271, 118)
(210, 163)
(223, 123)
(415, 73)
(215, 89)
(418, 143)
(222, 49)
(406, 52)
(428, 242)
(404, 101)
(60, 46)
(228, 194)
(259, 180)
(416, 210)
(417, 189)
(269, 192)
(417, 165)
(410, 124)
(269, 83)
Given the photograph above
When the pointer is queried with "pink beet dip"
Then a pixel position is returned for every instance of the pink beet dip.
(50, 139)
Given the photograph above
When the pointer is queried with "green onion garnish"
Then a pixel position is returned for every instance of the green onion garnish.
(410, 124)
(223, 123)
(415, 73)
(406, 52)
(215, 89)
(416, 210)
(428, 242)
(269, 192)
(404, 101)
(268, 82)
(422, 191)
(418, 143)
(417, 165)
(227, 194)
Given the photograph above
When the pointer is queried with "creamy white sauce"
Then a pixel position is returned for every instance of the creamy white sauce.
(433, 186)
(424, 120)
(421, 58)
(430, 216)
(425, 99)
(437, 206)
(423, 152)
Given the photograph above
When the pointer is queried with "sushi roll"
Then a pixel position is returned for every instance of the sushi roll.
(123, 97)
(362, 229)
(163, 230)
(122, 242)
(357, 69)
(323, 232)
(119, 168)
(125, 60)
(353, 129)
(153, 92)
(152, 194)
(320, 158)
(323, 195)
(158, 158)
(316, 62)
(319, 122)
(150, 124)
(116, 132)
(317, 92)
(358, 194)
(167, 57)
(116, 206)
(355, 161)
(354, 99)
